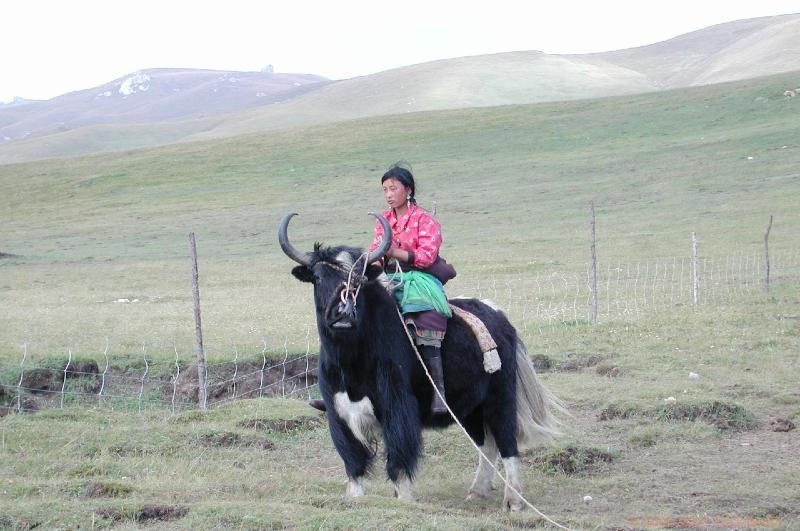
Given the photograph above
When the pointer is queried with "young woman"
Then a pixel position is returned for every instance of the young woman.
(417, 237)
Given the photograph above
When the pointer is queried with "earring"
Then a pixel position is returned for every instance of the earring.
(408, 197)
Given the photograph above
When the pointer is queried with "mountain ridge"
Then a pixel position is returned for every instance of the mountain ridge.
(724, 52)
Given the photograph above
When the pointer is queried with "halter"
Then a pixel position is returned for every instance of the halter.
(352, 286)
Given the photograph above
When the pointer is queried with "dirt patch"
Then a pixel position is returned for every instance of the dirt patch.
(164, 513)
(229, 439)
(41, 381)
(9, 522)
(611, 371)
(145, 513)
(282, 425)
(781, 425)
(618, 412)
(106, 489)
(571, 459)
(248, 380)
(720, 414)
(223, 439)
(27, 405)
(577, 365)
(81, 368)
(541, 363)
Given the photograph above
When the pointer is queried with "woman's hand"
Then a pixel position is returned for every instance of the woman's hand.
(400, 254)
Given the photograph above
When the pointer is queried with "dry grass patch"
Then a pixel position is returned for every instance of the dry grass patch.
(569, 460)
(144, 514)
(720, 414)
(107, 489)
(282, 425)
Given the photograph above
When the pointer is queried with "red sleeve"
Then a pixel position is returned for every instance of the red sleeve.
(429, 242)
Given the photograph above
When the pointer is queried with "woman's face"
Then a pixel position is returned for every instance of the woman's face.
(395, 193)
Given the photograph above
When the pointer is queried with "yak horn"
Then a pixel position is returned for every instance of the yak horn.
(386, 244)
(288, 248)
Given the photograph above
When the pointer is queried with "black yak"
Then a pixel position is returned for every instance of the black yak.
(373, 383)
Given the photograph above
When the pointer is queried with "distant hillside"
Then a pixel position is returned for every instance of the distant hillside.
(16, 102)
(179, 105)
(726, 52)
(149, 96)
(480, 81)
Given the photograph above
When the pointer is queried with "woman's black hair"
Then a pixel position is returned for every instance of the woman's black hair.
(401, 172)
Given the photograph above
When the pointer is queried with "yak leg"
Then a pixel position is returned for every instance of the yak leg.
(402, 436)
(504, 429)
(478, 432)
(402, 487)
(482, 484)
(355, 455)
(512, 499)
(403, 445)
(350, 424)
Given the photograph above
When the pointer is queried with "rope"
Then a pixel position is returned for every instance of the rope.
(453, 415)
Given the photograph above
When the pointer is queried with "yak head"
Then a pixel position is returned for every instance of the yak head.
(338, 274)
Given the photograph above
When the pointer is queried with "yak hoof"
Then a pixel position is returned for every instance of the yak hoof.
(402, 488)
(478, 494)
(355, 488)
(513, 505)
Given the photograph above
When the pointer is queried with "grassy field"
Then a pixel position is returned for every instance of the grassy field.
(512, 187)
(710, 459)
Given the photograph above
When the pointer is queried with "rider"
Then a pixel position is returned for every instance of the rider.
(417, 238)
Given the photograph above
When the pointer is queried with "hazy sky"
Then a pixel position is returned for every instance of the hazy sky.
(48, 48)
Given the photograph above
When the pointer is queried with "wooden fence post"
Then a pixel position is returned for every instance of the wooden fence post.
(202, 399)
(594, 269)
(695, 271)
(766, 253)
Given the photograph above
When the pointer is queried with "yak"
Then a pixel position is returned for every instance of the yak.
(373, 384)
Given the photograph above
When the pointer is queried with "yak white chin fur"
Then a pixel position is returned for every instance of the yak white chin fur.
(359, 417)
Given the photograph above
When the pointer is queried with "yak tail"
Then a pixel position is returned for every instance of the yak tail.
(536, 422)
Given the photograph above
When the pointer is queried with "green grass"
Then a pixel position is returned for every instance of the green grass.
(512, 187)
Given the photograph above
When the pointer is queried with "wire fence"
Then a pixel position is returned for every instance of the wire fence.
(545, 304)
(628, 290)
(147, 383)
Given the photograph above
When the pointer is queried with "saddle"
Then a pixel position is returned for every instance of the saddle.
(444, 272)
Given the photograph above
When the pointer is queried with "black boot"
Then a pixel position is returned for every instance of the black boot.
(317, 403)
(433, 360)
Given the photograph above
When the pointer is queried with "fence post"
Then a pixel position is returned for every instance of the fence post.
(695, 271)
(766, 254)
(594, 269)
(202, 399)
(21, 374)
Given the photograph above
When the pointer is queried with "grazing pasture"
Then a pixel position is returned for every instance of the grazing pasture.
(650, 445)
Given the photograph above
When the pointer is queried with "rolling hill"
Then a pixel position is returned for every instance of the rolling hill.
(186, 105)
(152, 96)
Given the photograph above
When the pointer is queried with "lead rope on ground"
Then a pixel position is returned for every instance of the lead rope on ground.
(483, 455)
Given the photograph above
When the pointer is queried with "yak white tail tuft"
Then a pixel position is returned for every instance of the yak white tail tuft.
(536, 422)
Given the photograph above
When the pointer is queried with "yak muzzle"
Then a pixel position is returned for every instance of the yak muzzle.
(342, 314)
